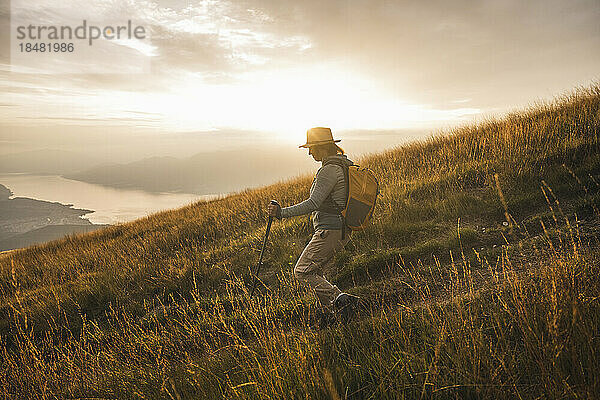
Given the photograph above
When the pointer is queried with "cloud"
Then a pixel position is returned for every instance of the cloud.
(496, 53)
(219, 40)
(438, 50)
(491, 51)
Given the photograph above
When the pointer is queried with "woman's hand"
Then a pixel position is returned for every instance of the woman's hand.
(274, 210)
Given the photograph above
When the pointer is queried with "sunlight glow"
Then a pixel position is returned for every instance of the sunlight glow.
(287, 102)
(282, 102)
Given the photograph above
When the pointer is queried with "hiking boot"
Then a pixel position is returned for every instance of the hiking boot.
(345, 306)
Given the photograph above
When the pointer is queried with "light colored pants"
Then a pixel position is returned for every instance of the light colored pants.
(312, 262)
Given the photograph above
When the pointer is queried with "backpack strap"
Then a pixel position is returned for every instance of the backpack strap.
(329, 205)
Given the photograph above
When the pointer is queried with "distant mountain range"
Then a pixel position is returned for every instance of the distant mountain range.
(210, 171)
(25, 221)
(204, 173)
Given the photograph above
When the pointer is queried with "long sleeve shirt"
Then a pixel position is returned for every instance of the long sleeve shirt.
(329, 179)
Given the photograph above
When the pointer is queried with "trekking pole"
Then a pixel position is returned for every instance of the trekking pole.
(262, 251)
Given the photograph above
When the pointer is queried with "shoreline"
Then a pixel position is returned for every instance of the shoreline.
(111, 205)
(26, 221)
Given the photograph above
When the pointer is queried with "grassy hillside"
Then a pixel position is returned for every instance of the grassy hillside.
(480, 274)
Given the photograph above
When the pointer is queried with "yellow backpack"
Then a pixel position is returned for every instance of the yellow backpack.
(362, 189)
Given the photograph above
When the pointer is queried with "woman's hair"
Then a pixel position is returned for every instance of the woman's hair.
(332, 148)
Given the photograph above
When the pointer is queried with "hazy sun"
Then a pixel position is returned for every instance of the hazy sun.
(283, 103)
(287, 103)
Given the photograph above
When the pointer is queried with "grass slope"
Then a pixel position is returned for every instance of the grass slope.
(480, 274)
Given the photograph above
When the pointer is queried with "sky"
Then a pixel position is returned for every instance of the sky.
(213, 73)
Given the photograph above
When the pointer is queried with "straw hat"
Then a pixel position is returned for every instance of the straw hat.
(318, 135)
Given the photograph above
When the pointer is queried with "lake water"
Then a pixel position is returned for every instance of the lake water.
(110, 205)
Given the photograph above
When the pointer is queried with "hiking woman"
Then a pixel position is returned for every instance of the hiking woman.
(327, 199)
